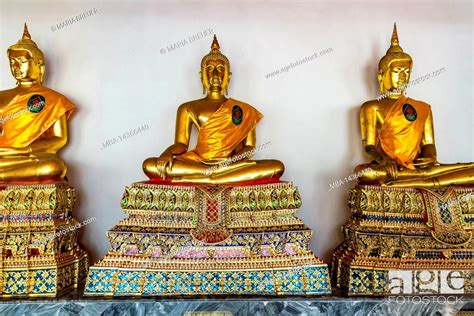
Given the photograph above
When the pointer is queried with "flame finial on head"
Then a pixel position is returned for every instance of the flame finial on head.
(215, 43)
(394, 35)
(26, 33)
(394, 42)
(394, 53)
(215, 54)
(26, 43)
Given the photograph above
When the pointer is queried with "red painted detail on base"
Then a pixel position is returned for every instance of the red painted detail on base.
(168, 181)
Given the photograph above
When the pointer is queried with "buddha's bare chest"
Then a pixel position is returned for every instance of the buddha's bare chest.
(382, 111)
(203, 113)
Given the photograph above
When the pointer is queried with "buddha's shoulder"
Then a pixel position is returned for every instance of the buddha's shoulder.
(6, 96)
(8, 93)
(200, 105)
(51, 92)
(420, 103)
(372, 105)
(191, 105)
(232, 100)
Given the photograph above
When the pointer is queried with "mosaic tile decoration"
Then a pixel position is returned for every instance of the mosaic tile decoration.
(39, 254)
(420, 236)
(200, 240)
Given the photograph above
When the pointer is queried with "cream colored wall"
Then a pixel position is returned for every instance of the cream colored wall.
(116, 67)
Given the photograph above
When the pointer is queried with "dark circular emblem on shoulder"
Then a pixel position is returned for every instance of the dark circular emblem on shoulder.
(409, 112)
(237, 115)
(36, 103)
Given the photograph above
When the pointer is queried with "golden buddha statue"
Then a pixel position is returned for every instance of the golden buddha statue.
(226, 129)
(33, 124)
(397, 133)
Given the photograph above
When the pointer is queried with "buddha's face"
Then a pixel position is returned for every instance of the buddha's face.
(23, 67)
(215, 73)
(396, 77)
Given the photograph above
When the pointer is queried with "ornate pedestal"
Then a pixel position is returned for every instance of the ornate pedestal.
(38, 240)
(195, 240)
(411, 241)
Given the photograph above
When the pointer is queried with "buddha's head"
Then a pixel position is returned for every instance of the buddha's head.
(26, 60)
(215, 70)
(394, 68)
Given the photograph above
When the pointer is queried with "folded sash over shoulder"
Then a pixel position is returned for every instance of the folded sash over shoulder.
(223, 131)
(402, 130)
(30, 114)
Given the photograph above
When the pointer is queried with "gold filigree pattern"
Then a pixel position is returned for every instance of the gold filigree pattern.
(394, 228)
(38, 241)
(218, 238)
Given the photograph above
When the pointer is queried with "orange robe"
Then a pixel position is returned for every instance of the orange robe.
(402, 131)
(30, 114)
(223, 132)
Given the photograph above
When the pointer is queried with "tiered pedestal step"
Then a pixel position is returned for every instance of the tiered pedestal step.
(39, 254)
(197, 240)
(407, 241)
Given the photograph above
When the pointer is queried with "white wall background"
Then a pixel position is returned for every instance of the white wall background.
(111, 67)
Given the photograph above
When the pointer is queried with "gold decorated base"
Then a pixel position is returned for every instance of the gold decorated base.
(44, 277)
(200, 240)
(39, 254)
(407, 241)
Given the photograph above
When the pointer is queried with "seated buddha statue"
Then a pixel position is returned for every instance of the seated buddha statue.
(33, 120)
(226, 129)
(398, 134)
